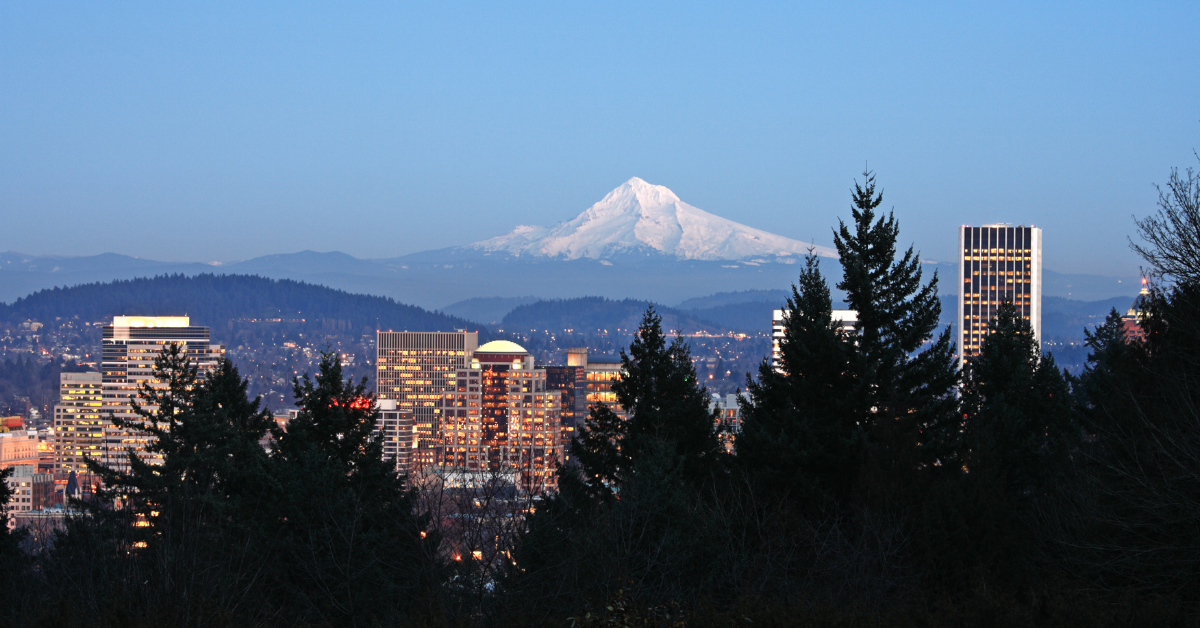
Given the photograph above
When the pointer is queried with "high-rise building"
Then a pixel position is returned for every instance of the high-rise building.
(571, 381)
(18, 448)
(395, 428)
(416, 369)
(129, 347)
(845, 319)
(78, 425)
(996, 263)
(502, 418)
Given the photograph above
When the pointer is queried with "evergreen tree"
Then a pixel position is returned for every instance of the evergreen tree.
(349, 547)
(857, 408)
(904, 388)
(598, 455)
(1017, 428)
(800, 433)
(661, 396)
(207, 433)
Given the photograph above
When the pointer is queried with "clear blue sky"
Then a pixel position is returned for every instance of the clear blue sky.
(209, 131)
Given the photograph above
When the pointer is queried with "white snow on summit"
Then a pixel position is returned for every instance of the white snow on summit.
(639, 217)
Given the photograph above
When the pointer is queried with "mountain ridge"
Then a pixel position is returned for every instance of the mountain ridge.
(642, 218)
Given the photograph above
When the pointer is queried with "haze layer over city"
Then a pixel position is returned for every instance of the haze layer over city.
(626, 314)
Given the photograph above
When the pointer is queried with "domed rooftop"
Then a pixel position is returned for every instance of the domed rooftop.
(501, 346)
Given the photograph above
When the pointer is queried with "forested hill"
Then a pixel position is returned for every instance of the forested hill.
(218, 299)
(597, 314)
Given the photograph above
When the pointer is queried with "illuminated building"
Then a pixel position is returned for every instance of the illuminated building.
(995, 263)
(571, 382)
(1132, 321)
(847, 320)
(129, 348)
(416, 369)
(599, 374)
(20, 482)
(501, 418)
(729, 418)
(19, 447)
(395, 428)
(77, 421)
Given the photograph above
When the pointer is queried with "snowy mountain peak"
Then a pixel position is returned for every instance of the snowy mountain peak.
(642, 218)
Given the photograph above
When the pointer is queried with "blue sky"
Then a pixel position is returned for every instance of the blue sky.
(210, 131)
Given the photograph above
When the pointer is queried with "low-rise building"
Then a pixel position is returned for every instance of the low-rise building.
(729, 418)
(18, 448)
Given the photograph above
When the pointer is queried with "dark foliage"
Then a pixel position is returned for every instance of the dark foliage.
(1017, 427)
(321, 531)
(801, 436)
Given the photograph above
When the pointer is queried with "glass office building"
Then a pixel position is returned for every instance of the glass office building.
(997, 262)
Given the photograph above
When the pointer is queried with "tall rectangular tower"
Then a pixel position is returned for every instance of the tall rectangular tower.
(997, 262)
(416, 369)
(127, 352)
(79, 429)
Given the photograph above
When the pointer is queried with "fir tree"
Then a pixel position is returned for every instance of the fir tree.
(348, 543)
(598, 454)
(1016, 404)
(661, 396)
(799, 431)
(905, 387)
(207, 435)
(978, 525)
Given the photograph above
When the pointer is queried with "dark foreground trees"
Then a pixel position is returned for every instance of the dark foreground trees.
(319, 531)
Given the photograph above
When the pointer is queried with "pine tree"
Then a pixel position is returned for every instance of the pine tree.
(661, 396)
(207, 433)
(800, 434)
(905, 387)
(348, 544)
(1017, 427)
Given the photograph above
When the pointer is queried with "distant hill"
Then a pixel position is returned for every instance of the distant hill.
(487, 310)
(588, 315)
(214, 300)
(734, 298)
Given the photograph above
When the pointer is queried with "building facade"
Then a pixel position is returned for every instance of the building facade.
(729, 419)
(78, 425)
(1132, 321)
(129, 347)
(997, 262)
(17, 448)
(502, 418)
(415, 369)
(395, 429)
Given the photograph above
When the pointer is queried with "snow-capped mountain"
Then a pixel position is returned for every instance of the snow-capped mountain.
(641, 218)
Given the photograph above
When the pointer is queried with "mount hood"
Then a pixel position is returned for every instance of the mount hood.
(639, 218)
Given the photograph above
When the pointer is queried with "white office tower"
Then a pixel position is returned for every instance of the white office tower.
(997, 262)
(395, 430)
(128, 350)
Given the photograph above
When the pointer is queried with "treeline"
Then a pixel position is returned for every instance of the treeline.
(214, 300)
(874, 484)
